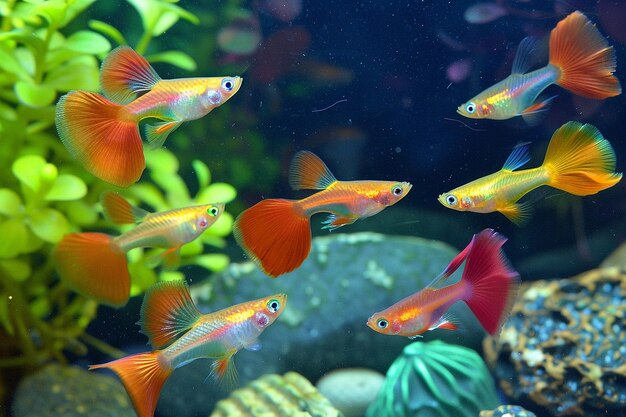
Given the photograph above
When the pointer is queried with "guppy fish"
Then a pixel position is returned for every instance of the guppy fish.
(95, 264)
(102, 132)
(180, 334)
(578, 161)
(488, 286)
(276, 233)
(580, 61)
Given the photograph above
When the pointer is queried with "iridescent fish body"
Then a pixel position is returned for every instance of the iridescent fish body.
(488, 286)
(180, 334)
(95, 264)
(276, 233)
(102, 132)
(581, 61)
(578, 161)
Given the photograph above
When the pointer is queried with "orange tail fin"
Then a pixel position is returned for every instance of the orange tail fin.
(143, 376)
(275, 234)
(583, 55)
(492, 283)
(94, 265)
(580, 161)
(94, 132)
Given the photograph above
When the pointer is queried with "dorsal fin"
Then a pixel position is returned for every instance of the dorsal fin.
(518, 158)
(166, 312)
(525, 55)
(124, 74)
(309, 172)
(120, 211)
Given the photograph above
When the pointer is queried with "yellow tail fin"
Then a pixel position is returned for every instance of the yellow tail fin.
(580, 161)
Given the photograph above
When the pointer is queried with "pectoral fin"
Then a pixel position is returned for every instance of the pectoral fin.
(334, 221)
(535, 113)
(518, 213)
(224, 371)
(157, 133)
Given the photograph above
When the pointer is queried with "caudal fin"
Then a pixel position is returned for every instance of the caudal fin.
(93, 265)
(275, 234)
(94, 132)
(579, 160)
(491, 283)
(584, 58)
(143, 377)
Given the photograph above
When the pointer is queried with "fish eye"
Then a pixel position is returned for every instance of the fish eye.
(213, 211)
(451, 200)
(273, 305)
(397, 190)
(228, 84)
(382, 323)
(470, 108)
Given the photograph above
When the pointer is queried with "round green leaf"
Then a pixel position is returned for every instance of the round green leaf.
(14, 238)
(142, 277)
(171, 276)
(177, 58)
(166, 21)
(214, 262)
(49, 224)
(150, 195)
(10, 202)
(75, 75)
(34, 95)
(108, 30)
(88, 42)
(16, 268)
(52, 11)
(218, 192)
(67, 187)
(27, 169)
(162, 161)
(192, 248)
(78, 212)
(202, 173)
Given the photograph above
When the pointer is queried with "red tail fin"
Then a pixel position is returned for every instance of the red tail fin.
(583, 55)
(492, 283)
(275, 234)
(92, 264)
(143, 375)
(94, 132)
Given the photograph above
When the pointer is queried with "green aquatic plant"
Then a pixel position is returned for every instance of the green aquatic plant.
(435, 379)
(46, 51)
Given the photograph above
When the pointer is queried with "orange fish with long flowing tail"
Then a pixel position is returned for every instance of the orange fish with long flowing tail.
(581, 61)
(94, 264)
(578, 161)
(488, 286)
(102, 132)
(180, 334)
(276, 233)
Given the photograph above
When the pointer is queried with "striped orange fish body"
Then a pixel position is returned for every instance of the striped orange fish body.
(102, 131)
(276, 233)
(95, 264)
(488, 286)
(348, 201)
(578, 161)
(581, 61)
(180, 334)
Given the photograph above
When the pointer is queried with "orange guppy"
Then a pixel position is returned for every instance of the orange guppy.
(102, 132)
(581, 61)
(578, 161)
(95, 264)
(488, 286)
(180, 334)
(276, 233)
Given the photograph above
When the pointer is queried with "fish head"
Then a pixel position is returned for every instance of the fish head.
(461, 199)
(267, 309)
(476, 108)
(450, 200)
(219, 90)
(391, 192)
(206, 215)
